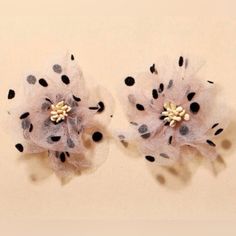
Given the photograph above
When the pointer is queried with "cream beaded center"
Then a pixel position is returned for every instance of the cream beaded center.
(174, 114)
(59, 111)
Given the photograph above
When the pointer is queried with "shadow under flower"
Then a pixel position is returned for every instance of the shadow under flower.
(39, 166)
(180, 174)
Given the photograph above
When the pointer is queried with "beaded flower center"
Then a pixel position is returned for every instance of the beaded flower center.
(59, 111)
(173, 114)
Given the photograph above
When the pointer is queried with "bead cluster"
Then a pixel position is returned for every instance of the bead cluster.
(59, 111)
(174, 114)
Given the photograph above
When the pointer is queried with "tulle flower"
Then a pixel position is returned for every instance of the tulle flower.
(55, 113)
(172, 112)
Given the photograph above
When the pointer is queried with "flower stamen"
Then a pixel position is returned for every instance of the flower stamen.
(174, 114)
(59, 111)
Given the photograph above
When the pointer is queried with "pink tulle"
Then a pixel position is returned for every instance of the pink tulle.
(74, 144)
(177, 83)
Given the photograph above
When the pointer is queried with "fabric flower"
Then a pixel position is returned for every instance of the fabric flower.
(172, 112)
(56, 113)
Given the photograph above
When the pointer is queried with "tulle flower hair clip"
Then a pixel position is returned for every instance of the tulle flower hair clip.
(172, 112)
(55, 113)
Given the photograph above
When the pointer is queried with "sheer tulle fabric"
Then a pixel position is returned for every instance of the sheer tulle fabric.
(144, 97)
(74, 144)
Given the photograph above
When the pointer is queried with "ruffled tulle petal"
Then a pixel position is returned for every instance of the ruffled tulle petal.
(173, 109)
(56, 113)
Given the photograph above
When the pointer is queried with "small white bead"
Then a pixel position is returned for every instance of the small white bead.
(175, 112)
(172, 123)
(167, 119)
(173, 106)
(166, 105)
(186, 117)
(182, 113)
(179, 109)
(165, 113)
(177, 118)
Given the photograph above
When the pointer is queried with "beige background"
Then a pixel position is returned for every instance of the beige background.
(113, 39)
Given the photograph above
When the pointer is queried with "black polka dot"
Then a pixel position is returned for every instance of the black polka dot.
(55, 138)
(154, 94)
(213, 126)
(11, 94)
(48, 100)
(129, 81)
(72, 57)
(62, 157)
(162, 117)
(77, 99)
(101, 107)
(143, 129)
(153, 69)
(140, 107)
(65, 79)
(194, 107)
(57, 68)
(210, 143)
(181, 61)
(183, 130)
(170, 140)
(210, 82)
(190, 96)
(218, 131)
(31, 79)
(97, 136)
(19, 147)
(93, 108)
(31, 128)
(161, 88)
(150, 158)
(24, 115)
(43, 82)
(68, 154)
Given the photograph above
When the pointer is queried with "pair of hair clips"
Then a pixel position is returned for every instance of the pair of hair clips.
(171, 113)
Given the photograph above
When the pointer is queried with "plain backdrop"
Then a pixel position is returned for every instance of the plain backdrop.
(113, 39)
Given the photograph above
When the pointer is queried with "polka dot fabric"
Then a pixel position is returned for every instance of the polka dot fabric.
(172, 111)
(76, 141)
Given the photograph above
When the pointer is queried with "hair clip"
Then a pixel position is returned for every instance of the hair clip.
(55, 113)
(172, 112)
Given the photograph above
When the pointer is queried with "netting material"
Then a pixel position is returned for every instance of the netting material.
(144, 99)
(75, 144)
